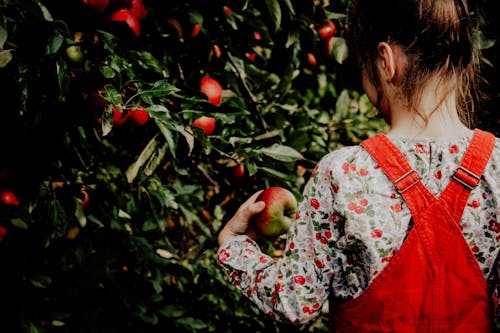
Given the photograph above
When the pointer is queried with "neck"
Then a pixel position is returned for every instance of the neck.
(437, 116)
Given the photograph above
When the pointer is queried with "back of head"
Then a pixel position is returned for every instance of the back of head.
(435, 35)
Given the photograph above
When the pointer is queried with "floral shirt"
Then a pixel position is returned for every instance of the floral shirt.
(343, 236)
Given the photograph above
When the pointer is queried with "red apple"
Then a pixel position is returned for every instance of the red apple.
(95, 100)
(216, 51)
(251, 56)
(238, 172)
(98, 6)
(278, 215)
(119, 117)
(3, 232)
(138, 9)
(212, 89)
(83, 199)
(196, 30)
(138, 116)
(7, 197)
(326, 29)
(207, 124)
(311, 59)
(227, 11)
(127, 16)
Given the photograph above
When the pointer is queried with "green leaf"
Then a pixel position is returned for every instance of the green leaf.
(342, 105)
(194, 17)
(112, 95)
(54, 43)
(173, 311)
(159, 89)
(146, 60)
(156, 159)
(276, 174)
(282, 153)
(107, 120)
(289, 5)
(108, 41)
(29, 327)
(340, 52)
(5, 57)
(169, 136)
(107, 72)
(334, 16)
(146, 153)
(251, 167)
(273, 6)
(45, 12)
(19, 223)
(59, 218)
(63, 78)
(293, 36)
(80, 215)
(191, 323)
(149, 226)
(3, 32)
(365, 106)
(188, 135)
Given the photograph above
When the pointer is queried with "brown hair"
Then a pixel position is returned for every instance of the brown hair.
(437, 38)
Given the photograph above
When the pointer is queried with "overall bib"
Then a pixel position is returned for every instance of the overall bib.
(433, 283)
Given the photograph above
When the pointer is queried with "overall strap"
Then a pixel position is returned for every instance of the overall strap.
(469, 172)
(396, 167)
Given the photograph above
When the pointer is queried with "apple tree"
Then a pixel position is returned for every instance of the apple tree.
(132, 129)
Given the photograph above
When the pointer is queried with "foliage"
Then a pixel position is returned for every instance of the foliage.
(117, 226)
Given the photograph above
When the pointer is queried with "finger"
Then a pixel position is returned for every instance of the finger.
(246, 212)
(252, 198)
(256, 207)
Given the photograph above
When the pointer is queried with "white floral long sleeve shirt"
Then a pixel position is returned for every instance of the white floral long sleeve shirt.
(351, 221)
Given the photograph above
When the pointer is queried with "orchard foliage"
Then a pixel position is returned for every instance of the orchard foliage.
(119, 191)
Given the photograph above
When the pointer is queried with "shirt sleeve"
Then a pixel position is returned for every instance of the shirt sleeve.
(494, 286)
(294, 287)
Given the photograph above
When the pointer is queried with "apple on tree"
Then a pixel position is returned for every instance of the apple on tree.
(277, 216)
(119, 117)
(3, 232)
(326, 29)
(98, 6)
(138, 116)
(311, 59)
(127, 16)
(207, 124)
(212, 89)
(7, 197)
(238, 172)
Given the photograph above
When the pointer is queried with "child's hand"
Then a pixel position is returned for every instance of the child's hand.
(239, 223)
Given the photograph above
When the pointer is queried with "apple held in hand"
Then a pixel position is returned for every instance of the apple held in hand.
(278, 215)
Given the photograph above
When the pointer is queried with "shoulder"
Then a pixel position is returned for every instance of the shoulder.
(496, 150)
(345, 160)
(492, 171)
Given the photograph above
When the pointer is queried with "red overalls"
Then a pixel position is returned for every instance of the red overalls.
(433, 283)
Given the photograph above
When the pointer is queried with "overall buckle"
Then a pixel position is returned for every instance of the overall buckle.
(407, 181)
(466, 177)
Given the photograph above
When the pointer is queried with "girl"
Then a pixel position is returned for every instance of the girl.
(401, 232)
